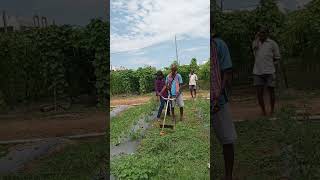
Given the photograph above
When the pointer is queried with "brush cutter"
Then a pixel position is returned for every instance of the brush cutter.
(165, 115)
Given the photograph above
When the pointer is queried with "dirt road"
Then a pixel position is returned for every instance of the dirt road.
(24, 126)
(243, 102)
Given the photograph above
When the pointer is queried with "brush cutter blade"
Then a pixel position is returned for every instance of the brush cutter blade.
(167, 126)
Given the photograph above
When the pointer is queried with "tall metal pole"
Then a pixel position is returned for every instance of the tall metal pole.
(221, 5)
(175, 39)
(4, 17)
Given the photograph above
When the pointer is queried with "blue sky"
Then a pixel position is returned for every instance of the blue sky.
(143, 31)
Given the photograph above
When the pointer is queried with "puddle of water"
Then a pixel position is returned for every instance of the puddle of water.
(129, 146)
(115, 111)
(124, 148)
(22, 154)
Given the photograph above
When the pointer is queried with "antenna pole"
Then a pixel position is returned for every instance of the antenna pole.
(175, 40)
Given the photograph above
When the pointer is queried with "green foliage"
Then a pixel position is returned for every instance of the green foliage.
(124, 81)
(54, 62)
(146, 77)
(296, 32)
(142, 80)
(98, 33)
(194, 65)
(204, 71)
(301, 32)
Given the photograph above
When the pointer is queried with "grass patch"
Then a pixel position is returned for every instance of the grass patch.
(3, 150)
(77, 161)
(267, 149)
(182, 154)
(122, 124)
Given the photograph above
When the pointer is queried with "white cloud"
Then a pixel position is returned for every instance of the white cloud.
(142, 61)
(193, 49)
(149, 22)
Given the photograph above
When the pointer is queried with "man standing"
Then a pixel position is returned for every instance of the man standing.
(221, 73)
(193, 78)
(267, 54)
(174, 84)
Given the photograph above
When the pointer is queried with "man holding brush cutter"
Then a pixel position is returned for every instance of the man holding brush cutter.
(174, 85)
(221, 120)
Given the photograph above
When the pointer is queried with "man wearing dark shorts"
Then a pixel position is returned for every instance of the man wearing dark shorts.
(267, 54)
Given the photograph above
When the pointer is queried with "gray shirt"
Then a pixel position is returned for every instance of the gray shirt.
(264, 54)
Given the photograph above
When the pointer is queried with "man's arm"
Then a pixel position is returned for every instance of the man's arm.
(226, 68)
(255, 44)
(276, 52)
(227, 77)
(276, 56)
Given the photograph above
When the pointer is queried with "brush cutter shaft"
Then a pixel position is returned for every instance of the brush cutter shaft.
(165, 113)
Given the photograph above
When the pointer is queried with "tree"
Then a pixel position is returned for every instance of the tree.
(193, 65)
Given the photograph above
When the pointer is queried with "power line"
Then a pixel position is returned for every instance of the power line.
(175, 40)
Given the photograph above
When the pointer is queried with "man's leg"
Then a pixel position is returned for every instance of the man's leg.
(272, 98)
(226, 134)
(195, 92)
(162, 103)
(259, 83)
(180, 103)
(191, 93)
(172, 113)
(228, 154)
(271, 84)
(261, 99)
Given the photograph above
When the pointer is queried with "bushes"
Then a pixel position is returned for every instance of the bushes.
(142, 80)
(54, 62)
(296, 32)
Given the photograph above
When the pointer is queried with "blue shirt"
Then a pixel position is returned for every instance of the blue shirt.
(173, 84)
(225, 62)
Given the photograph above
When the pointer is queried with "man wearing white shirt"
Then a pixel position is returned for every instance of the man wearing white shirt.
(267, 54)
(193, 78)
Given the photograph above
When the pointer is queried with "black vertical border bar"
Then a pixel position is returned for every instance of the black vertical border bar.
(107, 136)
(212, 23)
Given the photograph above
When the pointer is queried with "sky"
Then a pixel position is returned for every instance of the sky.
(143, 32)
(74, 12)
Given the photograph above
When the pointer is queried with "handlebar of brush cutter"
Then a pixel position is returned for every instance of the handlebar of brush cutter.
(171, 99)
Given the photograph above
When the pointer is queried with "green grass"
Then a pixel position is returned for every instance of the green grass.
(261, 151)
(122, 124)
(3, 150)
(182, 154)
(81, 160)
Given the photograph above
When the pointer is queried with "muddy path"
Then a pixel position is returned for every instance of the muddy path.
(140, 99)
(244, 105)
(118, 109)
(24, 126)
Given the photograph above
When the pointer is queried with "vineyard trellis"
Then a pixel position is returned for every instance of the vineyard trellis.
(57, 62)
